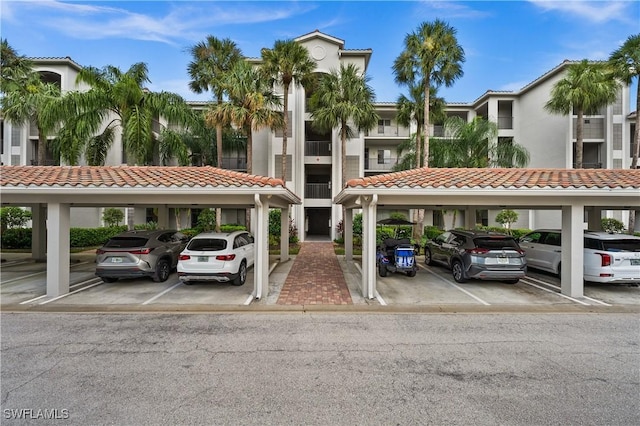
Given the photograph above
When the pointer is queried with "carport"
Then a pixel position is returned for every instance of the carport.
(573, 191)
(51, 192)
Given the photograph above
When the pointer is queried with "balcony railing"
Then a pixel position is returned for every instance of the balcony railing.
(317, 190)
(589, 165)
(234, 163)
(317, 148)
(374, 165)
(505, 122)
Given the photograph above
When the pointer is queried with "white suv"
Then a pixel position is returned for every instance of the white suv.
(608, 258)
(218, 257)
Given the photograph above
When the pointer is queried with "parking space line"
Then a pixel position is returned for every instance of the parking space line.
(73, 292)
(163, 293)
(553, 292)
(560, 289)
(455, 286)
(70, 287)
(36, 273)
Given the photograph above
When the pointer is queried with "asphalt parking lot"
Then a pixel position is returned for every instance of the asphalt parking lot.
(23, 284)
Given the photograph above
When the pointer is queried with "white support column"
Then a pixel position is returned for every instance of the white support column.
(572, 272)
(58, 251)
(163, 217)
(261, 266)
(284, 234)
(39, 232)
(470, 218)
(369, 212)
(348, 235)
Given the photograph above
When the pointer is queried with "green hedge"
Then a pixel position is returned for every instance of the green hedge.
(20, 238)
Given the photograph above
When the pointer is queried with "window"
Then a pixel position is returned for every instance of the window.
(384, 156)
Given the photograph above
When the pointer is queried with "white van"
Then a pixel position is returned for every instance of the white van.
(608, 258)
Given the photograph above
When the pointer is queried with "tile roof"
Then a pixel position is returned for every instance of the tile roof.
(503, 178)
(130, 176)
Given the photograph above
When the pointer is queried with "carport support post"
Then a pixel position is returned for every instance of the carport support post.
(284, 234)
(347, 234)
(58, 252)
(261, 266)
(369, 246)
(38, 232)
(572, 273)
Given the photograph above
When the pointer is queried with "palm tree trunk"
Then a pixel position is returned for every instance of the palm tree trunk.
(284, 134)
(579, 143)
(425, 153)
(42, 147)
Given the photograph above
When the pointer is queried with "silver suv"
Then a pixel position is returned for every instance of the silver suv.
(477, 254)
(135, 254)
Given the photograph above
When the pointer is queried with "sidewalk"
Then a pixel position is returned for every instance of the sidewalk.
(315, 278)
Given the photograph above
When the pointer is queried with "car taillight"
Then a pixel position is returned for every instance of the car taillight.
(226, 257)
(184, 257)
(100, 251)
(141, 251)
(478, 251)
(605, 259)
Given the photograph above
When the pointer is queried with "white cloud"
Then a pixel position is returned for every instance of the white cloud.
(181, 22)
(453, 9)
(595, 11)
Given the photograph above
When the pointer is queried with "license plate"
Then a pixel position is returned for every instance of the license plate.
(635, 262)
(203, 259)
(116, 260)
(503, 260)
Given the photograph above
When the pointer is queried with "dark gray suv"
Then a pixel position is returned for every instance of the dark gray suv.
(140, 254)
(477, 254)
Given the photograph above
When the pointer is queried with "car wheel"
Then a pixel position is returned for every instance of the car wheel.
(109, 279)
(411, 273)
(382, 270)
(163, 269)
(427, 257)
(242, 274)
(458, 272)
(513, 281)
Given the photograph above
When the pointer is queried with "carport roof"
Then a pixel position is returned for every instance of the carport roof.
(495, 186)
(137, 181)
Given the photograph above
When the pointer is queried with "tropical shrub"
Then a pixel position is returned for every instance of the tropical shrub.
(612, 225)
(112, 217)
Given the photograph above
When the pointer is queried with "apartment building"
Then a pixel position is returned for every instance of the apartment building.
(314, 160)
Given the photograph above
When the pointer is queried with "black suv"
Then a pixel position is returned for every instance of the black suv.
(140, 254)
(477, 254)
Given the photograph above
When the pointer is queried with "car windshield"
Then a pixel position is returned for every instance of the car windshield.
(207, 244)
(493, 243)
(126, 242)
(621, 245)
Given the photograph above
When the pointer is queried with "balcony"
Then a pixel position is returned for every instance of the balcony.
(377, 166)
(505, 122)
(318, 190)
(317, 148)
(234, 163)
(389, 132)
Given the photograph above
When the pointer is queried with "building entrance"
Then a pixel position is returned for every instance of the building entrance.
(318, 221)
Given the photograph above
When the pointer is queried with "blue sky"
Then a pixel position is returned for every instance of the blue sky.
(507, 43)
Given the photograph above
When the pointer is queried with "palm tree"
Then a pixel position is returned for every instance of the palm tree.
(122, 98)
(287, 63)
(412, 108)
(14, 68)
(250, 107)
(470, 145)
(32, 100)
(212, 60)
(344, 97)
(625, 62)
(586, 87)
(432, 56)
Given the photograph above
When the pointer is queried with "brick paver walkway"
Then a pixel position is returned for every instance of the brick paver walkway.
(315, 278)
